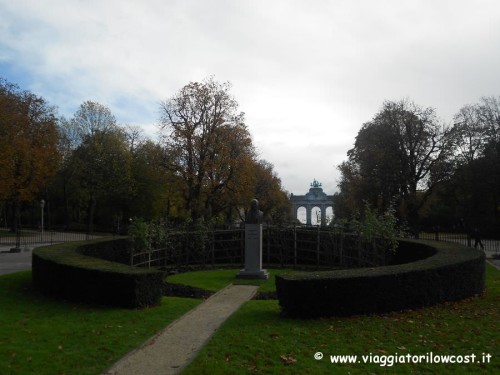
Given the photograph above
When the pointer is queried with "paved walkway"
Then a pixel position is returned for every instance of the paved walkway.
(14, 262)
(172, 349)
(495, 262)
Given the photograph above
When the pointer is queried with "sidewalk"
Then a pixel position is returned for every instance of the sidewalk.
(33, 238)
(171, 350)
(495, 262)
(14, 262)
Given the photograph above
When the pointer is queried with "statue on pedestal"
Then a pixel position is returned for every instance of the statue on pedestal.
(254, 215)
(253, 244)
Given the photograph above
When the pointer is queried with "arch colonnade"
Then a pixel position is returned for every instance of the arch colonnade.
(314, 198)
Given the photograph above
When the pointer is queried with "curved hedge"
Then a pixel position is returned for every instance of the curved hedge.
(118, 250)
(63, 271)
(437, 272)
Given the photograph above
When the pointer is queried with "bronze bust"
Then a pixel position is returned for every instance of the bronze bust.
(254, 215)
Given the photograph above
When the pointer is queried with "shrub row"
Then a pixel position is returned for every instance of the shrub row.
(442, 272)
(63, 271)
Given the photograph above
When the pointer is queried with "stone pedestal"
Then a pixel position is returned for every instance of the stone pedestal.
(253, 254)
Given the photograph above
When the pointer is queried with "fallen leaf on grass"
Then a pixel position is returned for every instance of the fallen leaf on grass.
(288, 359)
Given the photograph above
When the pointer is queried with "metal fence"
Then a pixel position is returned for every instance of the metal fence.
(33, 238)
(319, 246)
(286, 246)
(490, 246)
(195, 247)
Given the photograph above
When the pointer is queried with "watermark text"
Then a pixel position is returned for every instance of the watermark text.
(389, 360)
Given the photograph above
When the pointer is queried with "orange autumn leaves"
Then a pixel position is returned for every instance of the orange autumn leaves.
(28, 143)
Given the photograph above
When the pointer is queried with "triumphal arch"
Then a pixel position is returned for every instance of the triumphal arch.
(314, 198)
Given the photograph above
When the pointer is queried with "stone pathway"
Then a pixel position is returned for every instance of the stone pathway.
(169, 351)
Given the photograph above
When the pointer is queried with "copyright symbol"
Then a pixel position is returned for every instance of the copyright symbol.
(318, 356)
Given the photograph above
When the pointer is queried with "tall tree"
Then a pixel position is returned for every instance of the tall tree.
(273, 200)
(489, 113)
(91, 118)
(376, 157)
(477, 126)
(28, 144)
(346, 201)
(403, 154)
(474, 191)
(102, 165)
(155, 192)
(470, 133)
(207, 142)
(98, 161)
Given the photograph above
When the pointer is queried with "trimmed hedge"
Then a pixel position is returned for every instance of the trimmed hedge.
(442, 272)
(62, 271)
(119, 250)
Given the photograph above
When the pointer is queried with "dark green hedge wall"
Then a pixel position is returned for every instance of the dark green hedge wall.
(62, 271)
(445, 272)
(119, 250)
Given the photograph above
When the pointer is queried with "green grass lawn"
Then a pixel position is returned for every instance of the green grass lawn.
(40, 335)
(257, 340)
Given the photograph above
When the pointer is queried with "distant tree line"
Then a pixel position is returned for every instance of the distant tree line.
(431, 173)
(93, 173)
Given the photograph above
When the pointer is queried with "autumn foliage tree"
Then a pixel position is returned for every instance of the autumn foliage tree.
(273, 200)
(97, 173)
(28, 145)
(208, 144)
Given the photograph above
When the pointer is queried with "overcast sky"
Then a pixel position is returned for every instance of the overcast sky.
(307, 73)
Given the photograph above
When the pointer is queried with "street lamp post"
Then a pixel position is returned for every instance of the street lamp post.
(42, 205)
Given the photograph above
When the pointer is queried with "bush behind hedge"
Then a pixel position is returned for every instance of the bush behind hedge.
(62, 271)
(444, 272)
